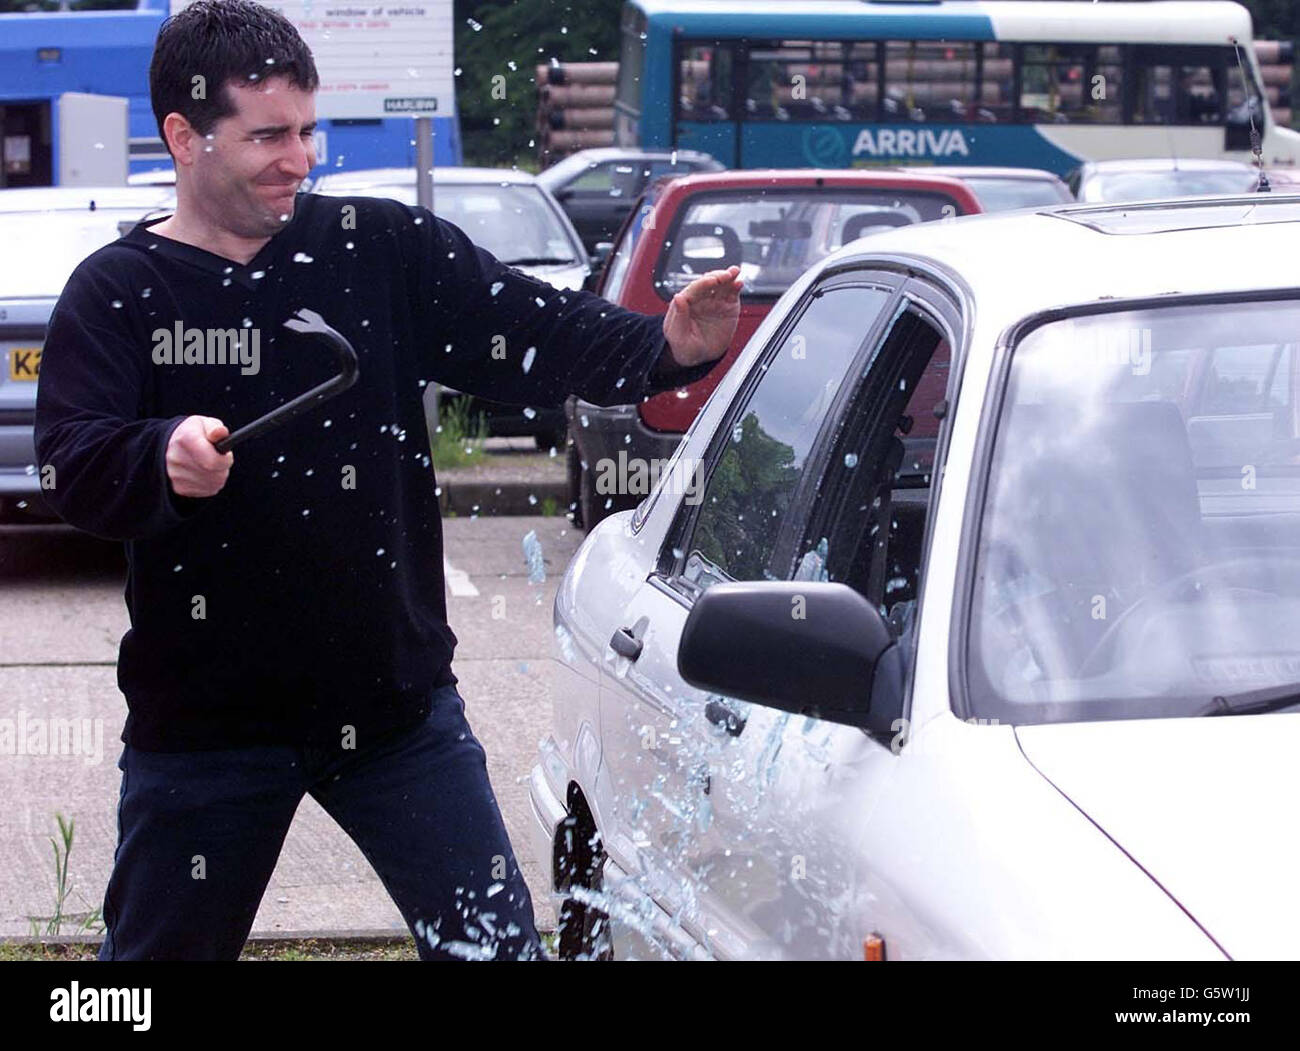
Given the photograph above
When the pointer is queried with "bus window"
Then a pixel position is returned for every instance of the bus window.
(706, 83)
(929, 80)
(802, 80)
(1244, 103)
(1182, 85)
(997, 85)
(1071, 84)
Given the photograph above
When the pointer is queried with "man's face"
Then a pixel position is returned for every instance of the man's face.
(248, 168)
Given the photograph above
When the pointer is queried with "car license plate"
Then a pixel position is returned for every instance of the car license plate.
(24, 363)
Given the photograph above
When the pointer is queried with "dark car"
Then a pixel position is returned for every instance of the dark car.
(597, 188)
(773, 224)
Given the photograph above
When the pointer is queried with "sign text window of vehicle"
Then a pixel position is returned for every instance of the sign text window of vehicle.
(961, 82)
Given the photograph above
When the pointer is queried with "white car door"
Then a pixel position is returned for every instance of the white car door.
(727, 813)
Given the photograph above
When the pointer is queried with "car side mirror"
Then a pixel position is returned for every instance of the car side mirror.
(812, 648)
(564, 194)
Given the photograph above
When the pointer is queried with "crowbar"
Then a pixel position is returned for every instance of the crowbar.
(307, 321)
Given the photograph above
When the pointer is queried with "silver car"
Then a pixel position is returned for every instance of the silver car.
(909, 653)
(1150, 179)
(47, 231)
(1004, 189)
(507, 212)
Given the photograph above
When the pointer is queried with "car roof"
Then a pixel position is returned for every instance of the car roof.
(363, 177)
(1163, 164)
(758, 177)
(55, 240)
(1017, 263)
(597, 154)
(85, 198)
(971, 171)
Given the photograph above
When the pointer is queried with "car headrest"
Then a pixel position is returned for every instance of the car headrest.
(1108, 487)
(731, 251)
(856, 226)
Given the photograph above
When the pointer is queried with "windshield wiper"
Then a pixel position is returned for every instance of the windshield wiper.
(1255, 702)
(538, 260)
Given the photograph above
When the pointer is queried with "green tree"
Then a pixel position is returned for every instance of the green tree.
(510, 41)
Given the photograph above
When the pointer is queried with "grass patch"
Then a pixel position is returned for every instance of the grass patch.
(82, 922)
(290, 950)
(458, 441)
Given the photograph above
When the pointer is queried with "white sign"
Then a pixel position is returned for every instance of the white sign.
(376, 59)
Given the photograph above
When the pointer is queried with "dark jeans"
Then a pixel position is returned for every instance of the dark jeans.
(418, 803)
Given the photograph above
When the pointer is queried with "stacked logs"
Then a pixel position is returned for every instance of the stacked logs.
(1276, 61)
(575, 108)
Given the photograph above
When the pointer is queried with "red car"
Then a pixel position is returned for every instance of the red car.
(773, 224)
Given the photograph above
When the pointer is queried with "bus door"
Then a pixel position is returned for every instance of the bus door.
(705, 92)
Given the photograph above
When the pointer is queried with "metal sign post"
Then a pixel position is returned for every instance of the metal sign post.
(424, 198)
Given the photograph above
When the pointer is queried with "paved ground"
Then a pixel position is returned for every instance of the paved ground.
(61, 616)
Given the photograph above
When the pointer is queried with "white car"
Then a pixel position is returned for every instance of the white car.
(507, 212)
(47, 231)
(924, 662)
(1115, 181)
(513, 216)
(1004, 189)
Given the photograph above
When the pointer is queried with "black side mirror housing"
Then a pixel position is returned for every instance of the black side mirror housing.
(812, 648)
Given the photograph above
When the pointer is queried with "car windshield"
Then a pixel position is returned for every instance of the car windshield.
(53, 243)
(1139, 551)
(514, 222)
(774, 236)
(1151, 186)
(1000, 195)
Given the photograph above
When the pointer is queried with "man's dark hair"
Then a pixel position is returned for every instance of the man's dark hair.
(222, 41)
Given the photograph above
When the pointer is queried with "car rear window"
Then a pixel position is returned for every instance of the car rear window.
(999, 195)
(775, 236)
(53, 243)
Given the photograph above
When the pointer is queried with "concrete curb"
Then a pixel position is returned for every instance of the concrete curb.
(364, 937)
(465, 498)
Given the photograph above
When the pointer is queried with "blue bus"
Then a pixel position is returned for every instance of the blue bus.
(45, 54)
(845, 83)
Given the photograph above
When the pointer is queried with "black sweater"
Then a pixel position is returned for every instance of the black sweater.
(294, 604)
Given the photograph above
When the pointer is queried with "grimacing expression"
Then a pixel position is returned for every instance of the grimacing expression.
(247, 169)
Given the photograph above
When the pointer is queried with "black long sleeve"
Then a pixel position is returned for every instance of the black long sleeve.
(512, 338)
(109, 471)
(307, 597)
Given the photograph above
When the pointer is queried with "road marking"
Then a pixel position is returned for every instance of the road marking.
(458, 580)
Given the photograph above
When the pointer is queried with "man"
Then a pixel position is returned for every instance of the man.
(288, 622)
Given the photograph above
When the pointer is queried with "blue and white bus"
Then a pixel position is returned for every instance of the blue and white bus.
(843, 83)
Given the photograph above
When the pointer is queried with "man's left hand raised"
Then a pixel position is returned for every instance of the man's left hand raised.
(702, 317)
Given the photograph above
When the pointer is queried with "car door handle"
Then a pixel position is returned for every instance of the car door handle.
(625, 644)
(723, 715)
